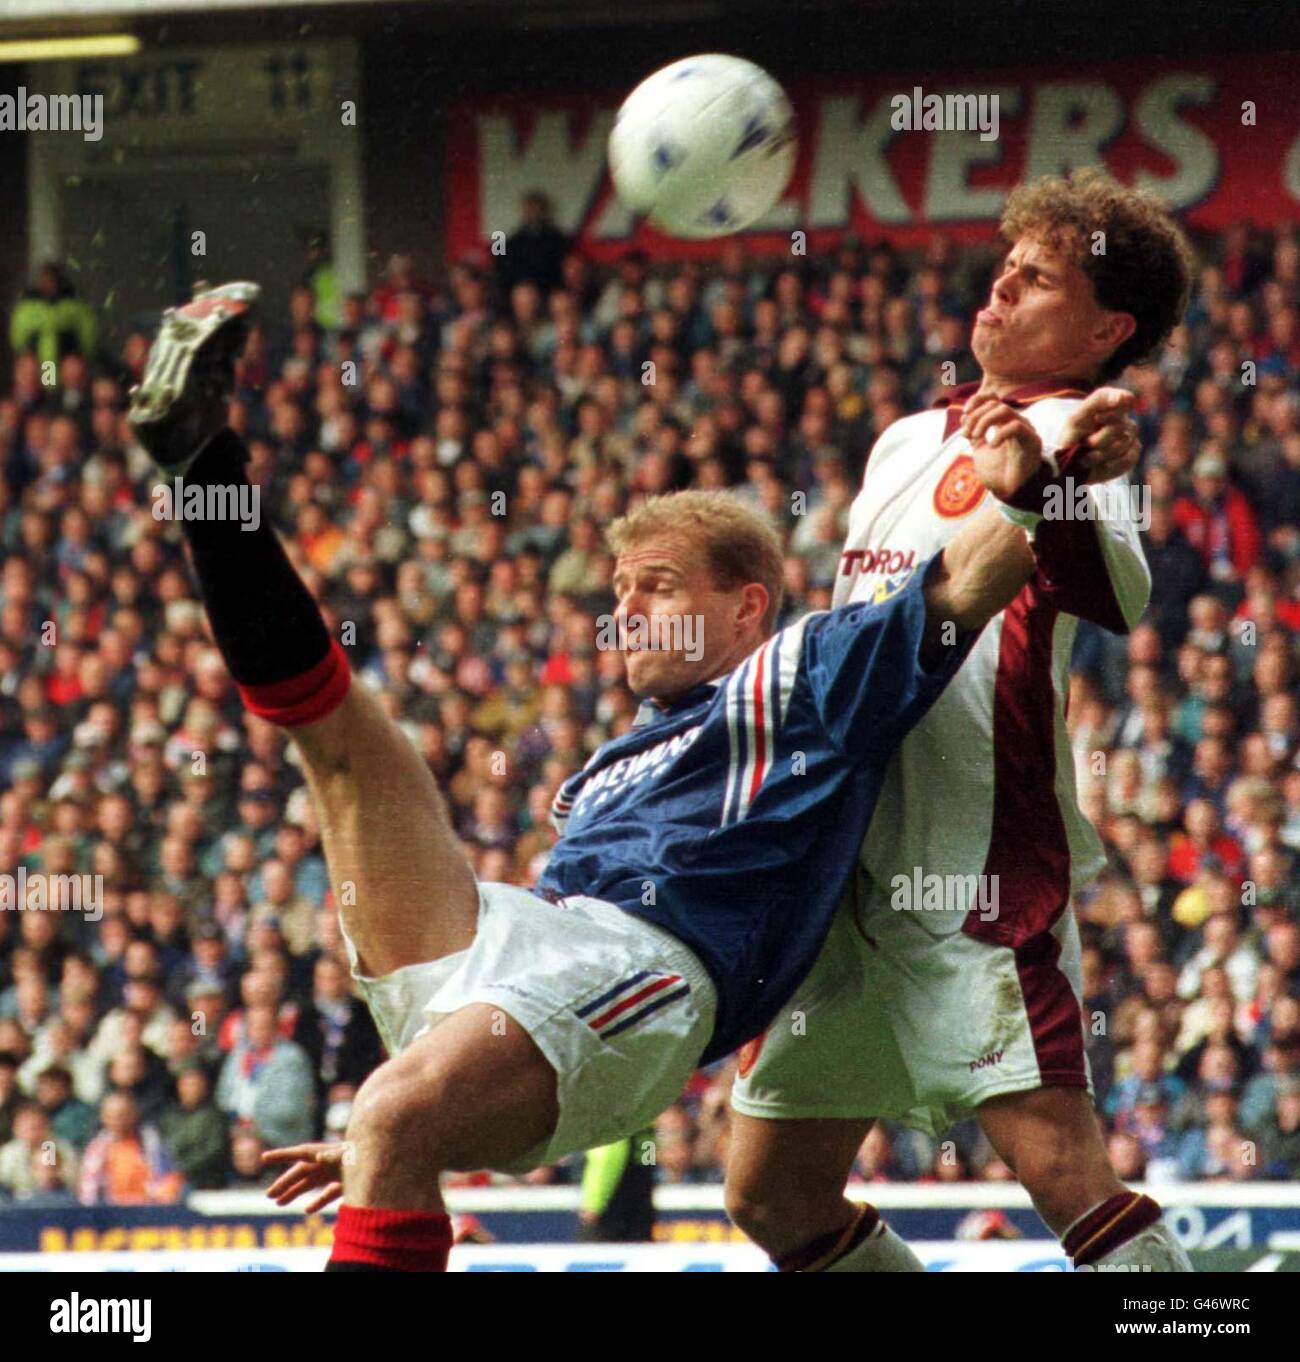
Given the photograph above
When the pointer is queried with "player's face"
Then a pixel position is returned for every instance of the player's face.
(676, 627)
(1043, 320)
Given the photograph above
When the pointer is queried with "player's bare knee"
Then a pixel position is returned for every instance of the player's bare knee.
(396, 1111)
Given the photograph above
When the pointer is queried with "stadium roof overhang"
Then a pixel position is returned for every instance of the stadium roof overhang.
(262, 19)
(812, 35)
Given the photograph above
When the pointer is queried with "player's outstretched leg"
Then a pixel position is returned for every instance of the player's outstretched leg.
(785, 1190)
(1051, 1140)
(404, 886)
(475, 1092)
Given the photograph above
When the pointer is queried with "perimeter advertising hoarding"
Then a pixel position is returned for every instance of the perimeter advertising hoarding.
(1218, 139)
(937, 1257)
(1261, 1217)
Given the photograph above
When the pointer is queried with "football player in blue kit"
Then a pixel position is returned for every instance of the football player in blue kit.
(703, 854)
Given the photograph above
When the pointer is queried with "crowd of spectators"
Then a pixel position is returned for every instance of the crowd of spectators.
(441, 462)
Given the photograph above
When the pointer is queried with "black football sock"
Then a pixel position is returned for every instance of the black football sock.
(265, 621)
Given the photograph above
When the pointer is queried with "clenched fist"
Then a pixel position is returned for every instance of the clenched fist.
(1007, 450)
(1104, 422)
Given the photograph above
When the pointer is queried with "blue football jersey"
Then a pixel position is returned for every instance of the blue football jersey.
(732, 817)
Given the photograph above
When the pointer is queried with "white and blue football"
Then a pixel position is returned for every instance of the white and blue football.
(703, 147)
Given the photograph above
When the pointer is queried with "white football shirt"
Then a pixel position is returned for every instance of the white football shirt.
(985, 783)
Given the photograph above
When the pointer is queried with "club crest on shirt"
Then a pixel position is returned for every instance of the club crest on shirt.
(959, 490)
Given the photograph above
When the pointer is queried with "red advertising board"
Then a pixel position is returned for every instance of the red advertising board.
(1218, 139)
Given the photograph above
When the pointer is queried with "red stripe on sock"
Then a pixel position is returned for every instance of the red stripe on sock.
(402, 1241)
(820, 1253)
(1109, 1225)
(302, 699)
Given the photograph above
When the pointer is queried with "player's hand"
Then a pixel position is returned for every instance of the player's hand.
(1104, 422)
(314, 1168)
(1006, 449)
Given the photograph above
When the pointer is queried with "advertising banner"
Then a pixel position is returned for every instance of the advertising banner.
(1217, 139)
(1205, 1217)
(1030, 1256)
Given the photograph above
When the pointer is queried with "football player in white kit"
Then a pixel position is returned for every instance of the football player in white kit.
(950, 984)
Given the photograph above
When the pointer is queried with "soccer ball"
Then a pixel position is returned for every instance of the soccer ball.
(704, 146)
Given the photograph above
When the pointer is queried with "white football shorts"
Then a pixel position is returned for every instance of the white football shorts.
(621, 1009)
(898, 1023)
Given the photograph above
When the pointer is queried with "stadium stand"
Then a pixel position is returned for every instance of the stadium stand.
(447, 512)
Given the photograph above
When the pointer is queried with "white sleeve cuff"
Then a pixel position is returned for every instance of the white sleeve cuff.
(1027, 520)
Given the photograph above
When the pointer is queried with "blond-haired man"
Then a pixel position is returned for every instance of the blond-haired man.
(703, 854)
